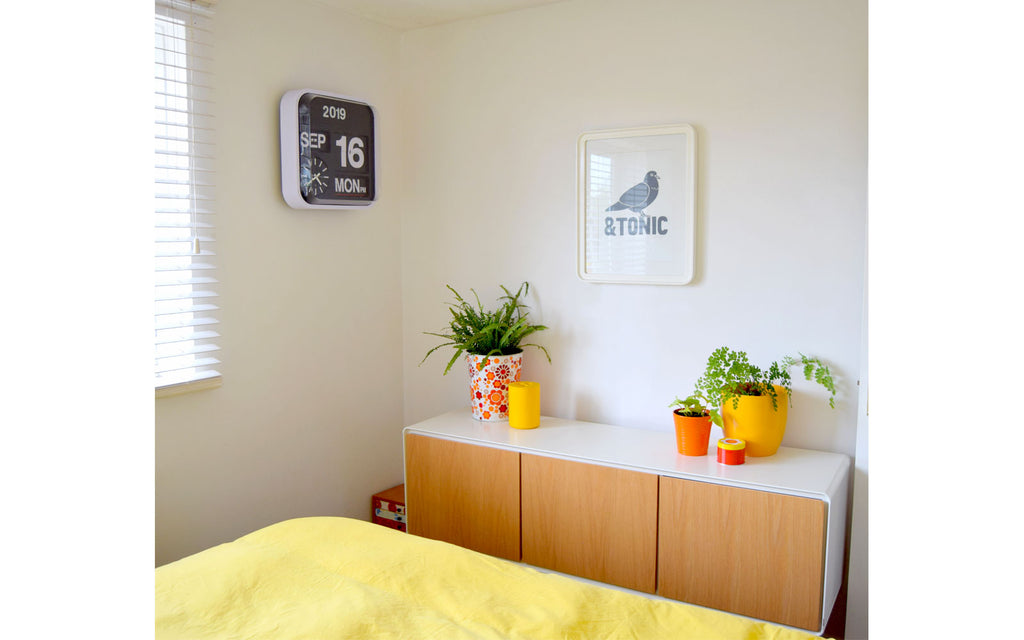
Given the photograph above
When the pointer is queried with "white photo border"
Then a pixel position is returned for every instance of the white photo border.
(645, 234)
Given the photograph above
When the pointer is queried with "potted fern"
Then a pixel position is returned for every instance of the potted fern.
(493, 344)
(754, 402)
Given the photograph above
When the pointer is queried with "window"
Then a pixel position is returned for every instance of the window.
(186, 291)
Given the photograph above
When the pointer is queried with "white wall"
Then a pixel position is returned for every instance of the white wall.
(857, 569)
(777, 94)
(309, 417)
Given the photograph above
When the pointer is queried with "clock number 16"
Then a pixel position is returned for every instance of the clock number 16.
(351, 151)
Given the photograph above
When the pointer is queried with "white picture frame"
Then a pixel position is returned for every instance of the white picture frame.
(635, 227)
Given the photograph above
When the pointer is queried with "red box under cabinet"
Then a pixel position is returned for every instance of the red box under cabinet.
(389, 508)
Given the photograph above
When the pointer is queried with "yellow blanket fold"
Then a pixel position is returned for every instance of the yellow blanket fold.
(332, 578)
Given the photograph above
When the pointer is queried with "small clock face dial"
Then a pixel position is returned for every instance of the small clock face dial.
(313, 176)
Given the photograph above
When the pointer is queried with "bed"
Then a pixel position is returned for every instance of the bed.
(328, 577)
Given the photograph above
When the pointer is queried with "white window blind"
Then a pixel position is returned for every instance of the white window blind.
(186, 291)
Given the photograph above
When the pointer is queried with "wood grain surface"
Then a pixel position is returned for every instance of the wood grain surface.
(591, 521)
(755, 553)
(463, 494)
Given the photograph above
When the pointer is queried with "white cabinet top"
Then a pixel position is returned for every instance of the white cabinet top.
(803, 472)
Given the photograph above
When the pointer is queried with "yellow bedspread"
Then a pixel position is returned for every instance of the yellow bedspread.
(331, 578)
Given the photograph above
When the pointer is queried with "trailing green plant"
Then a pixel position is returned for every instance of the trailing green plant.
(730, 375)
(472, 329)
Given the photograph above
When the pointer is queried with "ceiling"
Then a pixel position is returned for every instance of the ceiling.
(413, 14)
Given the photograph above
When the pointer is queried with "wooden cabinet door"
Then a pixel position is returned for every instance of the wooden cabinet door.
(591, 521)
(754, 553)
(463, 494)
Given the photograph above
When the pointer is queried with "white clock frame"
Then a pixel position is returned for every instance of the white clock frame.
(291, 188)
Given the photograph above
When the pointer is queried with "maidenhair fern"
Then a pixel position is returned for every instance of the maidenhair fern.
(729, 375)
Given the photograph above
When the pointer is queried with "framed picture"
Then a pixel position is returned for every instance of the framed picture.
(635, 205)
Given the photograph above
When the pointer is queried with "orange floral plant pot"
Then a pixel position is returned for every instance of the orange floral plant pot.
(755, 421)
(489, 377)
(692, 434)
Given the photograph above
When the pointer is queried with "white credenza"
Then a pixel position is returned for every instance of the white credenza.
(619, 505)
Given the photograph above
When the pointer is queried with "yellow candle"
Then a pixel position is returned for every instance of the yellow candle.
(524, 405)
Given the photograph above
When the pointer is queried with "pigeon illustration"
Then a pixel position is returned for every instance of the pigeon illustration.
(640, 196)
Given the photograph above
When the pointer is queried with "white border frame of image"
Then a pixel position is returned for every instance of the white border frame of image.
(688, 244)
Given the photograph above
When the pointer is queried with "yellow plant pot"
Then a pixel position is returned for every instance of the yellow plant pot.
(755, 421)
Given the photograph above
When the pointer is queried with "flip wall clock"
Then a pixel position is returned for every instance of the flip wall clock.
(328, 151)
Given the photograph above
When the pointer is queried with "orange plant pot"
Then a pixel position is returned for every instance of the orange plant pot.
(692, 434)
(756, 422)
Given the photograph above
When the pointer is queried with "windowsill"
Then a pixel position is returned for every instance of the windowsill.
(188, 387)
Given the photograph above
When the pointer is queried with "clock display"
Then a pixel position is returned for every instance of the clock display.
(312, 177)
(327, 151)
